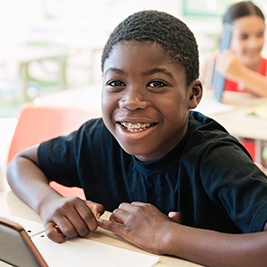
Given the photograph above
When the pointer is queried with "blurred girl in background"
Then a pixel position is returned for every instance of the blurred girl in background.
(242, 65)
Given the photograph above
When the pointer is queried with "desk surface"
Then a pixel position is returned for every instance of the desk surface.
(11, 205)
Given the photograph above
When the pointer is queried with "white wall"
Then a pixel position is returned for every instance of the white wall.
(91, 21)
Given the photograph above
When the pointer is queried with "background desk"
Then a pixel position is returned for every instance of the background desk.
(88, 97)
(11, 205)
(23, 55)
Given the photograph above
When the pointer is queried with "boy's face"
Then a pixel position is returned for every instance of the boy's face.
(145, 100)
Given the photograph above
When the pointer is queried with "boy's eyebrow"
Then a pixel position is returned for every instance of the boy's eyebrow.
(157, 70)
(118, 71)
(146, 73)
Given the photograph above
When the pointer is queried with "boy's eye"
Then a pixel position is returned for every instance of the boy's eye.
(116, 83)
(115, 86)
(156, 84)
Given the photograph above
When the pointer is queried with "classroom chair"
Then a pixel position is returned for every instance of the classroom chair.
(40, 123)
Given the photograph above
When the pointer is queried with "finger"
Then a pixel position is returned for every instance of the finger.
(138, 203)
(78, 224)
(119, 215)
(66, 227)
(86, 221)
(54, 233)
(96, 208)
(112, 226)
(125, 206)
(176, 216)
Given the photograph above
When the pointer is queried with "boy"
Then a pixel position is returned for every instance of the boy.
(176, 181)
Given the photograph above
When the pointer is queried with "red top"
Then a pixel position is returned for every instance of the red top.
(233, 86)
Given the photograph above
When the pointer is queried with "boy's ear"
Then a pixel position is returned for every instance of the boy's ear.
(196, 91)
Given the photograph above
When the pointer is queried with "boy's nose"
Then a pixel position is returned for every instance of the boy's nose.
(132, 100)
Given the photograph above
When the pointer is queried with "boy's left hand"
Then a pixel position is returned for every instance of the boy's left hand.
(141, 224)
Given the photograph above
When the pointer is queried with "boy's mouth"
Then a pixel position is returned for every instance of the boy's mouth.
(136, 127)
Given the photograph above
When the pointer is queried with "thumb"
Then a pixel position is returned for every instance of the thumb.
(176, 216)
(96, 208)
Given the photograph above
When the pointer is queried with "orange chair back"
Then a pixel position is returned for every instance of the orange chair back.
(40, 123)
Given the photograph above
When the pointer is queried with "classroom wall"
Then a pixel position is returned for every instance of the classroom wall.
(88, 21)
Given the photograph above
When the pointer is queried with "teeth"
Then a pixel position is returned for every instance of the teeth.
(135, 126)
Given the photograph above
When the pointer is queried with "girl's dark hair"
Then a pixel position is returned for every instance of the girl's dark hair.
(172, 34)
(242, 9)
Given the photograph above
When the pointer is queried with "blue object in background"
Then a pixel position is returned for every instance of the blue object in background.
(219, 80)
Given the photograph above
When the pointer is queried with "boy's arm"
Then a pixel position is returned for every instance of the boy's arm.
(28, 181)
(73, 216)
(145, 226)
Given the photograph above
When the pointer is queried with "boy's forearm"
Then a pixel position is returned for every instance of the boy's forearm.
(29, 183)
(212, 248)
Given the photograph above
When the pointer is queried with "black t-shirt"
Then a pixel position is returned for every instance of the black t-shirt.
(208, 176)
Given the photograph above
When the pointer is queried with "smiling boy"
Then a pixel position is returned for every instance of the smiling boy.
(175, 181)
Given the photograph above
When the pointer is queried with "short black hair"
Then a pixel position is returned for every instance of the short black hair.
(242, 9)
(172, 34)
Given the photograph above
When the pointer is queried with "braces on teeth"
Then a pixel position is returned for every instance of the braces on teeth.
(137, 126)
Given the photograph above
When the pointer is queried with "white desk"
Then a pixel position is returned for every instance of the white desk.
(11, 205)
(23, 55)
(238, 122)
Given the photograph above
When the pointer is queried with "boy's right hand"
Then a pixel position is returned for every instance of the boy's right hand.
(66, 218)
